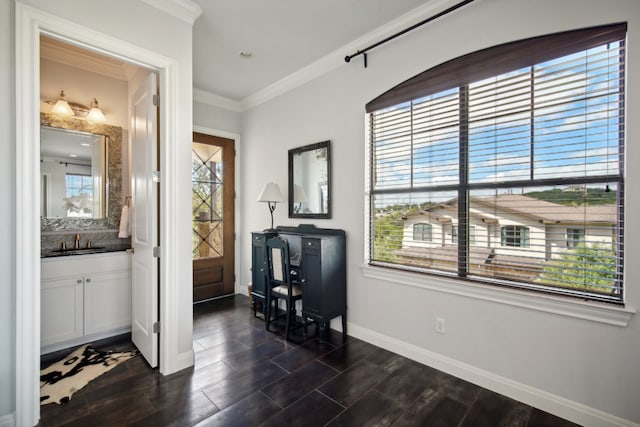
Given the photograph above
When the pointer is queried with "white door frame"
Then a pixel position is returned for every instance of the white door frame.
(30, 23)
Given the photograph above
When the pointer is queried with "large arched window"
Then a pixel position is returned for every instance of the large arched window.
(525, 141)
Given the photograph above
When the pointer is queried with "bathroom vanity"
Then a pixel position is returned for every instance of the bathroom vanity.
(84, 298)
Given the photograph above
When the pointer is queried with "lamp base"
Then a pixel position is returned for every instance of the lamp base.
(269, 230)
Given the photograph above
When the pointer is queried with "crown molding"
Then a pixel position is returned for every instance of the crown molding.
(208, 98)
(335, 59)
(75, 56)
(186, 10)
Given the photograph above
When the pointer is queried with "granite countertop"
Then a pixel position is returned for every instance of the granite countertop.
(98, 249)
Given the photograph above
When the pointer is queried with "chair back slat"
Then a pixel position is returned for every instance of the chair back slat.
(278, 258)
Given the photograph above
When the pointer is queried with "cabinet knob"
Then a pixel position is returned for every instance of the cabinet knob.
(303, 281)
(79, 281)
(88, 279)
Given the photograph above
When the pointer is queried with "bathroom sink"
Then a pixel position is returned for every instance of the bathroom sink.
(79, 251)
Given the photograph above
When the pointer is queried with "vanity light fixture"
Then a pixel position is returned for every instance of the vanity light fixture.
(271, 195)
(95, 115)
(62, 106)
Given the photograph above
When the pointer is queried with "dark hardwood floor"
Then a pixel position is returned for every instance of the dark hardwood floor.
(246, 376)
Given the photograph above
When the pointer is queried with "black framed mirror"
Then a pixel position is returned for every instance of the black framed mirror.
(310, 181)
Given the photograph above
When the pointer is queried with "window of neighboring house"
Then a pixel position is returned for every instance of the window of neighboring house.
(472, 234)
(422, 232)
(514, 235)
(527, 132)
(575, 236)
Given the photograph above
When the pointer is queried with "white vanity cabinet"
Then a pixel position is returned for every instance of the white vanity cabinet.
(84, 298)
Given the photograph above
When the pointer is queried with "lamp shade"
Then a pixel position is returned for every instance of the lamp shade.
(62, 107)
(299, 195)
(95, 115)
(270, 193)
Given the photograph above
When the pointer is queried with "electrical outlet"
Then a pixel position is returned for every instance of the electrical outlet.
(440, 325)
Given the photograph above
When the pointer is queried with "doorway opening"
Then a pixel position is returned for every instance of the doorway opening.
(81, 304)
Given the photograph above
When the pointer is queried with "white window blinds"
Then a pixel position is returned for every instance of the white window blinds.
(519, 156)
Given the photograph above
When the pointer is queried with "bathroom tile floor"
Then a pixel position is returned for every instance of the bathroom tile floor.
(247, 376)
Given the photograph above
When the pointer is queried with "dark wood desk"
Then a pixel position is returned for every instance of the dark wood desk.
(318, 258)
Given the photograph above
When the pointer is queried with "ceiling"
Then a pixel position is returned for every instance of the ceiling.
(282, 36)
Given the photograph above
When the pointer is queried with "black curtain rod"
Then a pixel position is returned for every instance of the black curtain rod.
(363, 52)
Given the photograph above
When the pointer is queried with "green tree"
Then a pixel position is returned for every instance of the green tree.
(388, 230)
(588, 267)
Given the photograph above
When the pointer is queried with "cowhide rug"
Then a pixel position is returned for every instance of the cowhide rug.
(59, 381)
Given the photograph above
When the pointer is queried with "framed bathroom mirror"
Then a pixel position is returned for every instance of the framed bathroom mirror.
(85, 191)
(310, 181)
(73, 168)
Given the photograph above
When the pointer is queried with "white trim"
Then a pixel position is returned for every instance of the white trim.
(335, 59)
(238, 287)
(8, 420)
(208, 98)
(549, 402)
(85, 60)
(27, 221)
(591, 311)
(30, 23)
(186, 10)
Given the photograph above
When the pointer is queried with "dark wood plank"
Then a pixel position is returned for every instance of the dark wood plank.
(312, 410)
(298, 383)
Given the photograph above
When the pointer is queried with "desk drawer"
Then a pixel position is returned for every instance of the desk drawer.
(311, 245)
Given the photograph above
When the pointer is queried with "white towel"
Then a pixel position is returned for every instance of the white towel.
(124, 232)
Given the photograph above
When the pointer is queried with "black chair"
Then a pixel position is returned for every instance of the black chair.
(280, 285)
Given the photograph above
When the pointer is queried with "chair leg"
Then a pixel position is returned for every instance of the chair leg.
(344, 325)
(288, 307)
(267, 311)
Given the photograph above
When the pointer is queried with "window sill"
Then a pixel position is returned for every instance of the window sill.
(592, 311)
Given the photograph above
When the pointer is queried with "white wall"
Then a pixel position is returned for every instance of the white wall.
(553, 357)
(7, 219)
(216, 118)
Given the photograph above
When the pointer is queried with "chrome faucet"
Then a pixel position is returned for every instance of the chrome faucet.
(76, 242)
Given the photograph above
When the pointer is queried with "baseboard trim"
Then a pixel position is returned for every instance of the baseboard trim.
(8, 420)
(557, 405)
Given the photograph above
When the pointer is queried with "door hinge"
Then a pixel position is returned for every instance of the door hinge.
(156, 327)
(156, 251)
(156, 176)
(156, 100)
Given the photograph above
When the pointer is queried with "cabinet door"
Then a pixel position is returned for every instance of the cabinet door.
(312, 277)
(259, 262)
(61, 310)
(107, 298)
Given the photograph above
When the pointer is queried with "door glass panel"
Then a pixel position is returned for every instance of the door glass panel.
(206, 204)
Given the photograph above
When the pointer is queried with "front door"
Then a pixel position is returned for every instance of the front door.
(213, 192)
(144, 221)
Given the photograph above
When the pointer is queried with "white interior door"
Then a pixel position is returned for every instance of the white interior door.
(144, 221)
